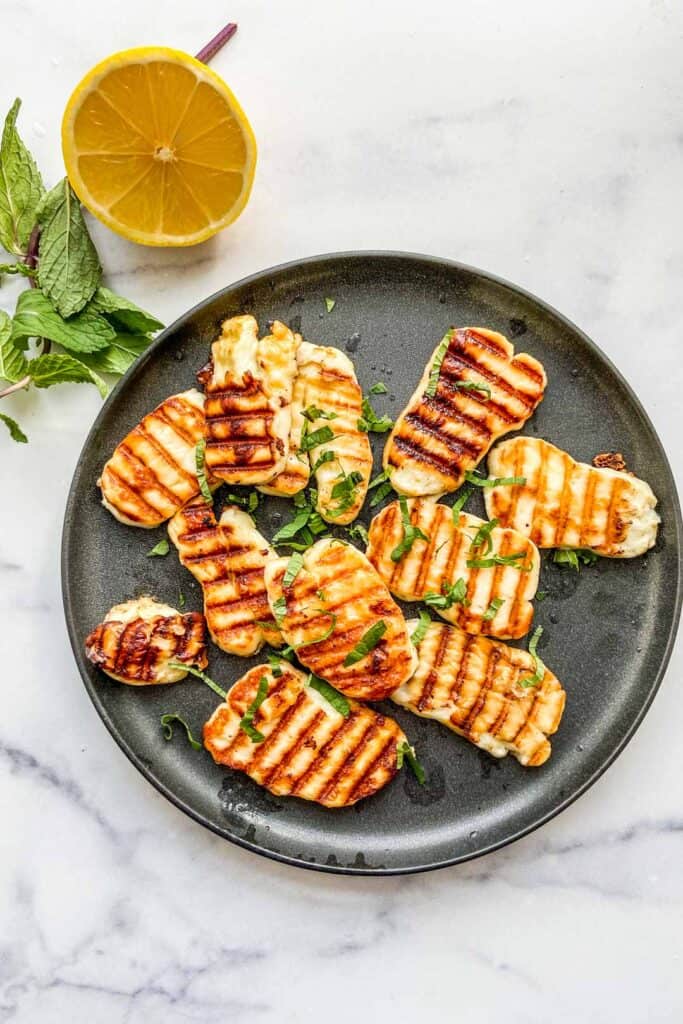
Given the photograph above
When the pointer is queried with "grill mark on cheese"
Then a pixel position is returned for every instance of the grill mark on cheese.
(571, 504)
(228, 558)
(345, 726)
(422, 569)
(137, 648)
(248, 384)
(443, 408)
(279, 770)
(334, 781)
(357, 598)
(471, 684)
(461, 422)
(146, 480)
(309, 750)
(431, 677)
(587, 506)
(143, 504)
(457, 445)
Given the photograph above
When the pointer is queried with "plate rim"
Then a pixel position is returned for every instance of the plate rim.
(134, 757)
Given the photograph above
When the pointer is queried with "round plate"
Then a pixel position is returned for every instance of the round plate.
(608, 629)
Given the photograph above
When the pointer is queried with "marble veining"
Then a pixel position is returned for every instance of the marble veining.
(541, 142)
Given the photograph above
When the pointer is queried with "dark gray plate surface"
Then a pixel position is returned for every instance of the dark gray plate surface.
(608, 630)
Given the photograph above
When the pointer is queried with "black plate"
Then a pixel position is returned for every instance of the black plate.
(608, 629)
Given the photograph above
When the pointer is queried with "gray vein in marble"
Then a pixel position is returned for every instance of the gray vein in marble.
(22, 762)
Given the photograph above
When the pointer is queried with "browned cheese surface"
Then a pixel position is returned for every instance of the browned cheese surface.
(137, 640)
(152, 472)
(442, 559)
(248, 386)
(472, 685)
(297, 469)
(569, 504)
(228, 558)
(436, 439)
(339, 590)
(310, 750)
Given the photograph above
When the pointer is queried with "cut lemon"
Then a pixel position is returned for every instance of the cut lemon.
(158, 148)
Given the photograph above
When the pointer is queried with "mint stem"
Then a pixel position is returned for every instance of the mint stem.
(215, 44)
(31, 261)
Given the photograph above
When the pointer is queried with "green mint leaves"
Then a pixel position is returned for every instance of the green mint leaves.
(36, 318)
(15, 431)
(200, 466)
(248, 717)
(410, 533)
(160, 549)
(406, 752)
(367, 643)
(69, 270)
(21, 187)
(13, 366)
(332, 696)
(60, 368)
(420, 632)
(167, 722)
(97, 331)
(574, 557)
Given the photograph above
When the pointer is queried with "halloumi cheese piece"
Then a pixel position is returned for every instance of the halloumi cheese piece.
(228, 558)
(473, 686)
(330, 384)
(139, 638)
(330, 605)
(569, 504)
(297, 470)
(438, 438)
(248, 384)
(499, 596)
(153, 472)
(310, 749)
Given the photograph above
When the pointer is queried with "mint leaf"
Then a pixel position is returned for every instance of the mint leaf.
(68, 267)
(367, 643)
(420, 631)
(167, 721)
(13, 366)
(160, 549)
(21, 187)
(59, 368)
(407, 752)
(332, 696)
(84, 332)
(15, 431)
(248, 717)
(123, 312)
(118, 356)
(200, 466)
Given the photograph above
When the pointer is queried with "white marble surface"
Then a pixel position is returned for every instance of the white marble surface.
(542, 142)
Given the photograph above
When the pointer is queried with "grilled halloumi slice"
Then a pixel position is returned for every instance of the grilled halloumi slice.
(431, 566)
(228, 558)
(248, 384)
(139, 638)
(297, 469)
(570, 504)
(153, 472)
(329, 607)
(330, 384)
(438, 437)
(310, 749)
(472, 685)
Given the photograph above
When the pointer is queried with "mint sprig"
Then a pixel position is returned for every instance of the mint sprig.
(97, 331)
